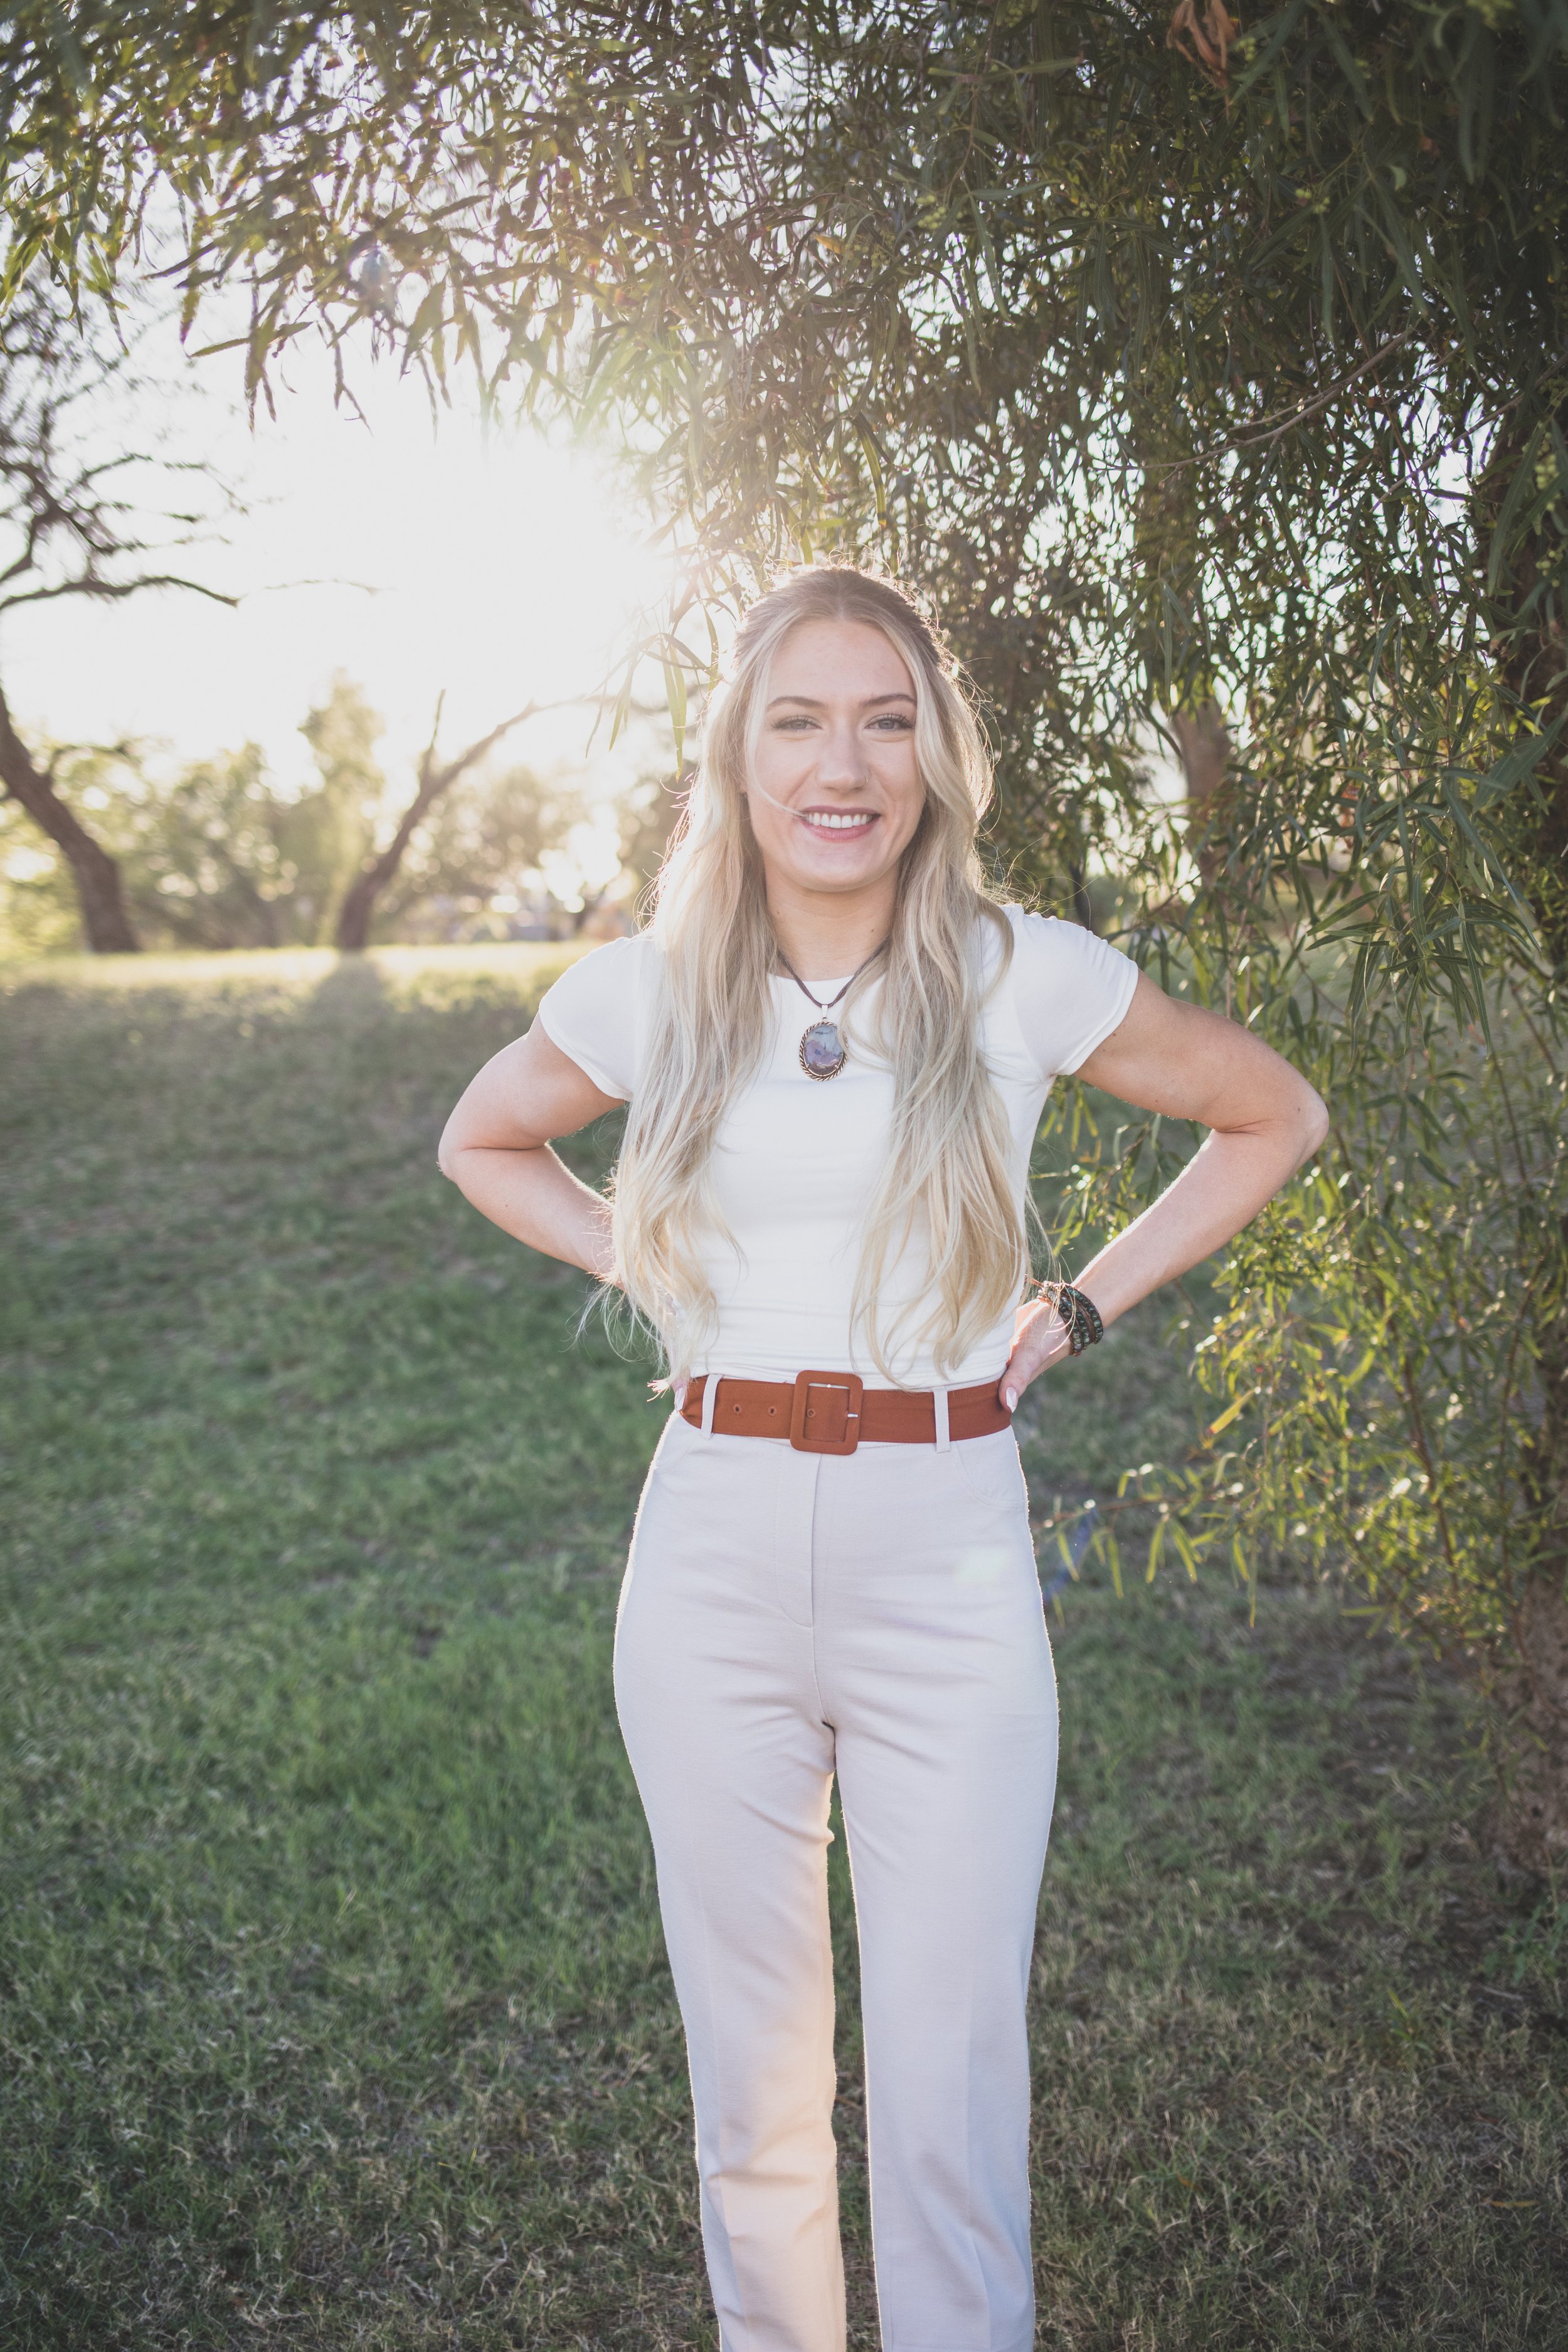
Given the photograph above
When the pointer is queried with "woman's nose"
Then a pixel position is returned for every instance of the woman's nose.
(840, 760)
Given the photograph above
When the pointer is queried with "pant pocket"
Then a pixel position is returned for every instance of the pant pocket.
(989, 1469)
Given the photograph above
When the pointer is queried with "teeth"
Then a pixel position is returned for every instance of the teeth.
(847, 821)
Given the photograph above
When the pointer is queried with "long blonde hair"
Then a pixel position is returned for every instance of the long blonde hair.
(947, 1177)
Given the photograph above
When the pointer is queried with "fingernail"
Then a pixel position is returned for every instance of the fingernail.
(1010, 1398)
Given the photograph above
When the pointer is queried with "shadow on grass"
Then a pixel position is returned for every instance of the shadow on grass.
(354, 987)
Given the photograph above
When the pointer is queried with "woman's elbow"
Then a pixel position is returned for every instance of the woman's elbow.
(448, 1152)
(1314, 1119)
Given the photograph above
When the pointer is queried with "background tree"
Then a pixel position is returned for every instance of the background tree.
(207, 861)
(379, 868)
(477, 869)
(1213, 386)
(649, 815)
(216, 855)
(330, 834)
(513, 836)
(78, 519)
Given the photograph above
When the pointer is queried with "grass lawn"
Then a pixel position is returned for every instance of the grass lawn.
(334, 2010)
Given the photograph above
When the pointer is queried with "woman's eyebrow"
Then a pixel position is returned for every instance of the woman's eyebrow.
(810, 701)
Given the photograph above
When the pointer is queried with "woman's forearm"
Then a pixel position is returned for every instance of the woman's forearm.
(535, 1198)
(1265, 1122)
(1221, 1190)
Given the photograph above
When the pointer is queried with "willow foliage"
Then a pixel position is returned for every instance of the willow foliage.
(1221, 399)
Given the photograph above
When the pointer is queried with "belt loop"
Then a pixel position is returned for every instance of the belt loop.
(710, 1398)
(938, 1405)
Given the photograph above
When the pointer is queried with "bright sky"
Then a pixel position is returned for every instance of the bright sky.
(505, 569)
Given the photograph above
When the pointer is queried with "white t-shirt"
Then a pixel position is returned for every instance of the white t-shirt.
(796, 1159)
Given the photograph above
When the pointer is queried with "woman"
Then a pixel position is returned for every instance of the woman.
(836, 1049)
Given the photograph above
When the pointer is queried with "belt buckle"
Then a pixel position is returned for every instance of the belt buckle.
(812, 1416)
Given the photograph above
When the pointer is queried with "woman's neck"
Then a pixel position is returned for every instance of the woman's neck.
(826, 934)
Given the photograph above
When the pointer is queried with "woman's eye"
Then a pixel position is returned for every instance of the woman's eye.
(893, 722)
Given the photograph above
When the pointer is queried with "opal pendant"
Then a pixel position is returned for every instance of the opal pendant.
(822, 1054)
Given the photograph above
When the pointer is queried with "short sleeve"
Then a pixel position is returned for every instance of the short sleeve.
(597, 1012)
(1070, 988)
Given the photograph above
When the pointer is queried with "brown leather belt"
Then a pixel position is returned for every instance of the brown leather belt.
(830, 1412)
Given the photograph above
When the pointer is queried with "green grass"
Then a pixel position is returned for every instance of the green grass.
(334, 2010)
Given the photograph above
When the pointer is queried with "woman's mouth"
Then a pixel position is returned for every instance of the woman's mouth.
(842, 824)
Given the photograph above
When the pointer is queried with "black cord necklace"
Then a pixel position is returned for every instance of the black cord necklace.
(822, 1054)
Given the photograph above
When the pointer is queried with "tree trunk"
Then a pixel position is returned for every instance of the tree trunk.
(1204, 739)
(358, 909)
(1536, 1815)
(1532, 1822)
(94, 871)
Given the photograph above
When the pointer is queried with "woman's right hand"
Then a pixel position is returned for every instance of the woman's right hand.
(495, 1149)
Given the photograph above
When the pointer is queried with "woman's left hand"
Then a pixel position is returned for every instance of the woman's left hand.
(1039, 1337)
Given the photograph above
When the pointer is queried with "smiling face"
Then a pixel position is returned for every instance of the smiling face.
(835, 758)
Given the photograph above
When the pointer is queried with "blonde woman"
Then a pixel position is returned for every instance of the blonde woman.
(835, 1048)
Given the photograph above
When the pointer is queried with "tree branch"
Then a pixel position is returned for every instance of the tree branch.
(1325, 399)
(110, 592)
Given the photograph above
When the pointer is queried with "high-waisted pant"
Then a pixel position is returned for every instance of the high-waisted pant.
(788, 1616)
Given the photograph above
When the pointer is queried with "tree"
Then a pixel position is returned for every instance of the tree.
(509, 831)
(649, 815)
(99, 897)
(1219, 387)
(436, 781)
(477, 866)
(203, 861)
(330, 834)
(215, 857)
(72, 524)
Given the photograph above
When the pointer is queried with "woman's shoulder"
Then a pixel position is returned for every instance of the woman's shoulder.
(614, 971)
(1051, 943)
(596, 1010)
(1068, 987)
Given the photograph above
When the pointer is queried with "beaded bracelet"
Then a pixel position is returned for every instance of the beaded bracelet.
(1078, 1315)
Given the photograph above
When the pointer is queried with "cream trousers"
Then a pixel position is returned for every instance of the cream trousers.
(786, 1617)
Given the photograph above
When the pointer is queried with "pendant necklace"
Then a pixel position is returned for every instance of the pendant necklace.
(822, 1054)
